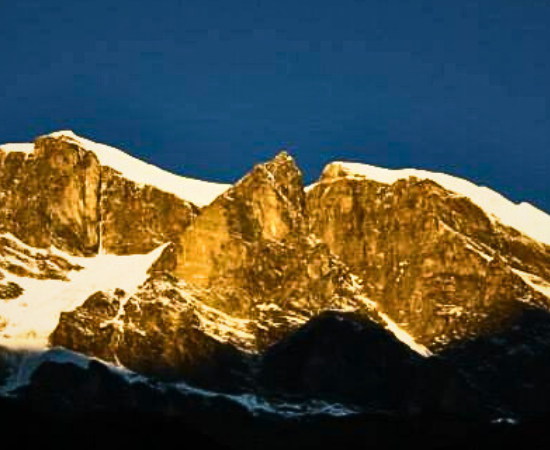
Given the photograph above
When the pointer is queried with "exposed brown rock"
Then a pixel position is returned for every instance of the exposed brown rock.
(71, 178)
(10, 290)
(137, 219)
(60, 195)
(23, 208)
(265, 205)
(432, 261)
(269, 253)
(21, 261)
(94, 315)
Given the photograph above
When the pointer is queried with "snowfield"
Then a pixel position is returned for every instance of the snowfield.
(33, 316)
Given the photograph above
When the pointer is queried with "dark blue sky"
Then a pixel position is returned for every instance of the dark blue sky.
(208, 88)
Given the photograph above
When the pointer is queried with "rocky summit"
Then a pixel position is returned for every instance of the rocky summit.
(370, 290)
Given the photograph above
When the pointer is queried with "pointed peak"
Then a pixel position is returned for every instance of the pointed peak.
(282, 160)
(281, 169)
(283, 155)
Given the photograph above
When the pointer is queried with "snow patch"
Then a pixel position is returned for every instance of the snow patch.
(505, 421)
(259, 405)
(25, 362)
(536, 282)
(404, 337)
(18, 148)
(397, 331)
(470, 244)
(33, 316)
(199, 192)
(215, 323)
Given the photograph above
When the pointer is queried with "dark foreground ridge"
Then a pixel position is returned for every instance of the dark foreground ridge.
(137, 429)
(67, 406)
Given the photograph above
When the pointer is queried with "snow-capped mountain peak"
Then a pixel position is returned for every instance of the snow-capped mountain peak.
(195, 191)
(523, 217)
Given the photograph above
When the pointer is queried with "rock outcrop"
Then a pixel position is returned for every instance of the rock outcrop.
(163, 331)
(411, 255)
(266, 205)
(61, 195)
(137, 219)
(252, 251)
(51, 197)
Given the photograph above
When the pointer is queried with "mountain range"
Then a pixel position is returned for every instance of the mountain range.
(371, 293)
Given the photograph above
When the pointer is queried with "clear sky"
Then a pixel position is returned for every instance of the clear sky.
(207, 88)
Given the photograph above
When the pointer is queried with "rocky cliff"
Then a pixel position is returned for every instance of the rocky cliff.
(60, 194)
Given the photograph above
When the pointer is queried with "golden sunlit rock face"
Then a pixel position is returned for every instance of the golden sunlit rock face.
(365, 291)
(61, 195)
(431, 259)
(136, 218)
(265, 206)
(51, 196)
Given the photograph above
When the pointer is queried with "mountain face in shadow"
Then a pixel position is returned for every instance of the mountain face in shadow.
(511, 367)
(354, 361)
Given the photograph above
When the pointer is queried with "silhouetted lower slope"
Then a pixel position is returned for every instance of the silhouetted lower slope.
(343, 358)
(511, 367)
(138, 429)
(353, 360)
